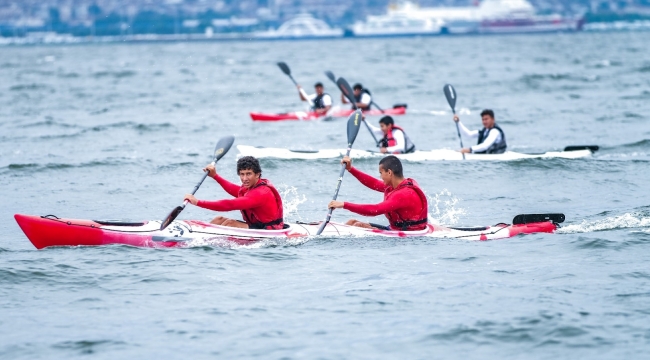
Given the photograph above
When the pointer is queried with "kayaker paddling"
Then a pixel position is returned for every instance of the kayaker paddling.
(258, 201)
(491, 139)
(361, 96)
(393, 138)
(321, 100)
(404, 205)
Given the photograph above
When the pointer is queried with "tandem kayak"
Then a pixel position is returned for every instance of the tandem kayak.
(46, 231)
(570, 152)
(302, 115)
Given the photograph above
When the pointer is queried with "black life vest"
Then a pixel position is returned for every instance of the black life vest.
(318, 101)
(388, 140)
(358, 98)
(498, 147)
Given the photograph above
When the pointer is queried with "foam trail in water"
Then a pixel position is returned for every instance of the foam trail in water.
(442, 208)
(625, 221)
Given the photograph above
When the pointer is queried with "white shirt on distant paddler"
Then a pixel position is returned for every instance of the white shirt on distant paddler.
(365, 99)
(327, 100)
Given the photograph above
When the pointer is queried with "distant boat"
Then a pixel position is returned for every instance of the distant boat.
(399, 21)
(487, 17)
(303, 26)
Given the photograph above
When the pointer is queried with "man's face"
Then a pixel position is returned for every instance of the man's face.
(488, 121)
(357, 92)
(319, 90)
(249, 178)
(385, 175)
(385, 128)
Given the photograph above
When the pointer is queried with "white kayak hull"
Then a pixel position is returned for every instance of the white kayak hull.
(418, 155)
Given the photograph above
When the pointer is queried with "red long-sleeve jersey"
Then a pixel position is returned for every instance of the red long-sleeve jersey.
(406, 203)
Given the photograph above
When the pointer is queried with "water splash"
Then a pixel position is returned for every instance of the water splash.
(291, 199)
(442, 208)
(640, 219)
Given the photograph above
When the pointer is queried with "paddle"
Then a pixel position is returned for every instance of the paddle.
(330, 76)
(347, 91)
(223, 145)
(450, 94)
(285, 69)
(354, 121)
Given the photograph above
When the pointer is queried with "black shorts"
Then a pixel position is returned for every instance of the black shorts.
(380, 227)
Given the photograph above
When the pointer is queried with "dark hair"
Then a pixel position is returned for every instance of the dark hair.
(387, 120)
(392, 163)
(487, 112)
(249, 163)
(357, 86)
(318, 84)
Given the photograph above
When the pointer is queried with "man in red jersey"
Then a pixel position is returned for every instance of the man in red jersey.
(405, 205)
(259, 202)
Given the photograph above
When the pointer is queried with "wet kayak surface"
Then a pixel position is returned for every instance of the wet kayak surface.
(122, 131)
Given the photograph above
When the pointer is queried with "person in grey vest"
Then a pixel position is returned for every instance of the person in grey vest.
(491, 139)
(322, 101)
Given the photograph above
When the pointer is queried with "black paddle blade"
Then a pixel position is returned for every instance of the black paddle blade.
(223, 145)
(330, 75)
(450, 94)
(354, 124)
(171, 217)
(346, 90)
(592, 148)
(556, 218)
(285, 68)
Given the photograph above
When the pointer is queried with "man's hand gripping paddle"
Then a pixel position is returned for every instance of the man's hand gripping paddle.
(223, 145)
(354, 121)
(285, 69)
(450, 94)
(348, 93)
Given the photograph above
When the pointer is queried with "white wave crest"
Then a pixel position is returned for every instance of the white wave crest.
(442, 208)
(625, 221)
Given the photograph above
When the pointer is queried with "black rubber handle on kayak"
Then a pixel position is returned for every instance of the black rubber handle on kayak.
(223, 145)
(354, 122)
(345, 88)
(450, 94)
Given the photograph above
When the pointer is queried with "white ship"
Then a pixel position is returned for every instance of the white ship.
(303, 26)
(488, 16)
(399, 21)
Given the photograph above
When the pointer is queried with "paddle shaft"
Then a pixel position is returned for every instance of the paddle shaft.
(336, 194)
(302, 91)
(198, 185)
(458, 132)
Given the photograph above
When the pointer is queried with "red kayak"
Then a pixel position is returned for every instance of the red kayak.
(301, 115)
(46, 231)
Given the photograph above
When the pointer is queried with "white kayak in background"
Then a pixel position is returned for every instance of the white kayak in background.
(570, 152)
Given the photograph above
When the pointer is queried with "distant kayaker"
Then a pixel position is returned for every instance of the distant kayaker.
(361, 96)
(394, 140)
(489, 141)
(259, 202)
(405, 205)
(321, 100)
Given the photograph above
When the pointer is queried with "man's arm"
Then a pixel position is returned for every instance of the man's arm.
(491, 139)
(465, 131)
(369, 181)
(396, 202)
(375, 130)
(229, 187)
(242, 203)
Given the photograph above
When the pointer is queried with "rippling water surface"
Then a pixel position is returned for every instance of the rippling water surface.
(121, 131)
